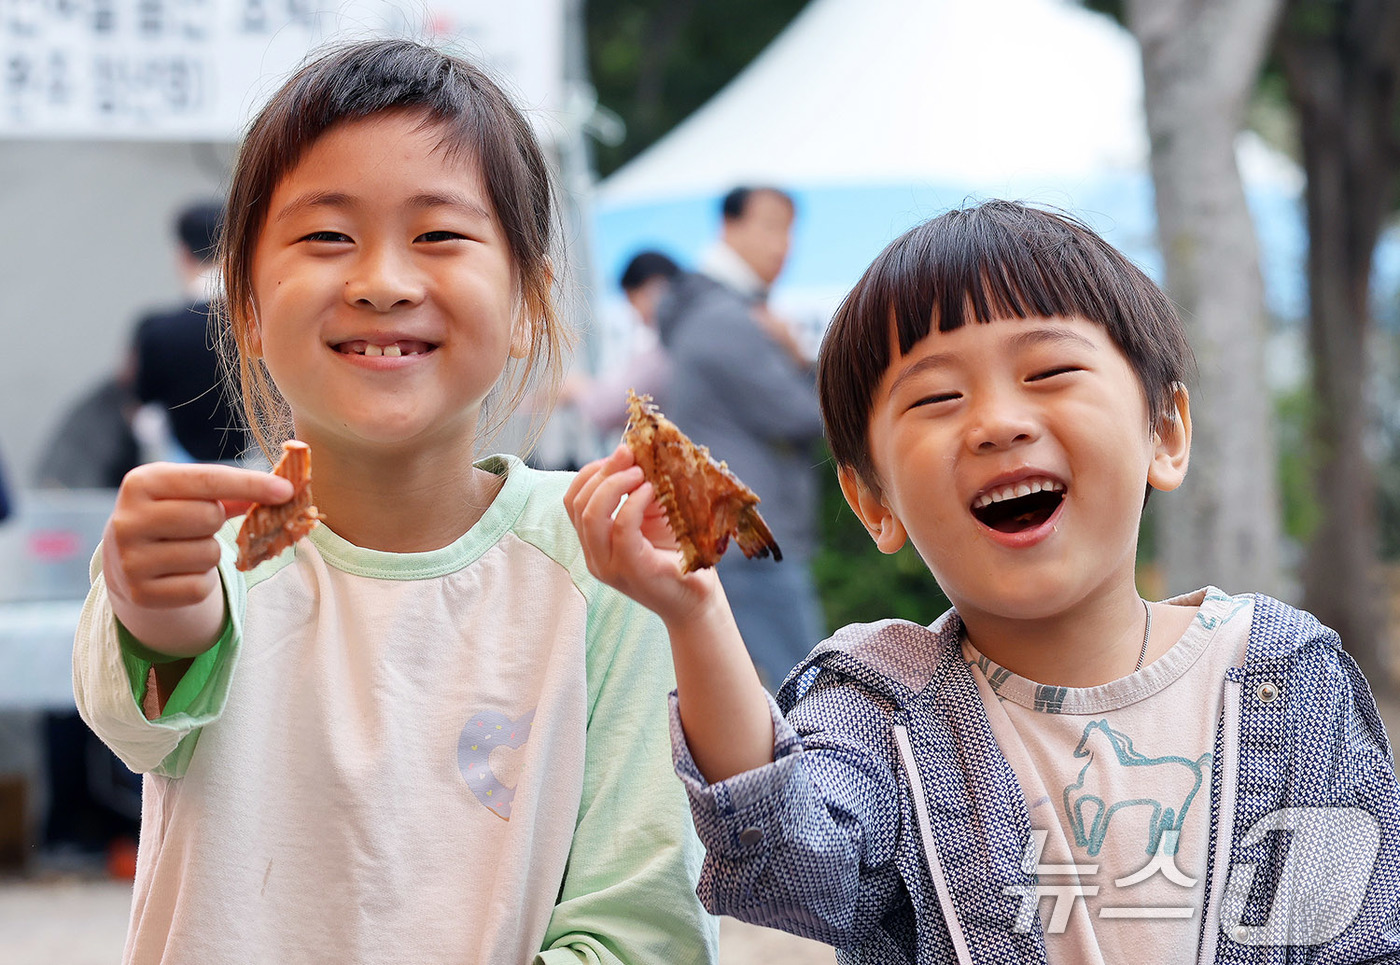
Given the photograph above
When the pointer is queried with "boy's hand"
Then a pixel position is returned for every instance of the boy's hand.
(632, 548)
(159, 555)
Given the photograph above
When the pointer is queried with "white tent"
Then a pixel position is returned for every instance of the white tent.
(975, 92)
(879, 113)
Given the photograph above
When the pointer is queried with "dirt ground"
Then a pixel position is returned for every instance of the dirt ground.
(77, 921)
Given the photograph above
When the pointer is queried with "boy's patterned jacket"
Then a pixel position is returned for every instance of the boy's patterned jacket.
(891, 826)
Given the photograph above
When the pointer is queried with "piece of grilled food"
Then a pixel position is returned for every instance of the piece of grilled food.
(705, 503)
(267, 531)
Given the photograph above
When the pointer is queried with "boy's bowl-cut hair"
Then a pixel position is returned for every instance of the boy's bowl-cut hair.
(994, 260)
(477, 120)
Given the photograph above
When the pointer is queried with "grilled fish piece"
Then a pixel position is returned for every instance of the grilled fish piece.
(267, 531)
(705, 503)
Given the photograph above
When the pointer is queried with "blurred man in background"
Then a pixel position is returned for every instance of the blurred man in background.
(5, 508)
(742, 384)
(175, 362)
(603, 400)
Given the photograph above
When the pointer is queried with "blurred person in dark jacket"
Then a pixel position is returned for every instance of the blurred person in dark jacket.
(94, 445)
(645, 282)
(5, 508)
(742, 385)
(174, 358)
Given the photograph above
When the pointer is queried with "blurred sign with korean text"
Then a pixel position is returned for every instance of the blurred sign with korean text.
(197, 70)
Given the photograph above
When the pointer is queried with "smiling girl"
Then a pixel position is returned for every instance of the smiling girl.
(424, 733)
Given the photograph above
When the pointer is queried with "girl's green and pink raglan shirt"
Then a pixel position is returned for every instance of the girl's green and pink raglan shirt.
(452, 756)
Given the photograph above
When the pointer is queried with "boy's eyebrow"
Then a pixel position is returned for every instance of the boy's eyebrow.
(1018, 342)
(922, 365)
(338, 199)
(1050, 333)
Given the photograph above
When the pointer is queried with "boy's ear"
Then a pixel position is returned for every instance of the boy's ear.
(877, 518)
(1172, 444)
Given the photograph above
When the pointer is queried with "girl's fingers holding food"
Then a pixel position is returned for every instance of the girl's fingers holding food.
(166, 519)
(177, 590)
(591, 512)
(206, 481)
(235, 507)
(139, 570)
(163, 526)
(177, 501)
(174, 557)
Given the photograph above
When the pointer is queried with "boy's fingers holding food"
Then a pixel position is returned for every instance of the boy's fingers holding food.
(603, 486)
(582, 486)
(632, 514)
(590, 477)
(620, 458)
(597, 502)
(609, 490)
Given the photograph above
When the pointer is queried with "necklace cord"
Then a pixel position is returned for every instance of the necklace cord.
(1146, 635)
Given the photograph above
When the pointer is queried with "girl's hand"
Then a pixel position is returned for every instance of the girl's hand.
(159, 555)
(632, 548)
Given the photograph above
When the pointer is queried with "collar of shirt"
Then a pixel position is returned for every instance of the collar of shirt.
(726, 266)
(206, 286)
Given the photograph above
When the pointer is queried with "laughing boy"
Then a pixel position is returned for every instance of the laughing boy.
(1055, 770)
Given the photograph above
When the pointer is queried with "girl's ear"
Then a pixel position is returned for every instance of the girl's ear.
(255, 348)
(1172, 444)
(522, 332)
(877, 518)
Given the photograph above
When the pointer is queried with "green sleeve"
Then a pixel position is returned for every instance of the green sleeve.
(628, 895)
(192, 694)
(199, 697)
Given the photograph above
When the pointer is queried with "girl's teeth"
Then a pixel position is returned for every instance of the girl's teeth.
(394, 351)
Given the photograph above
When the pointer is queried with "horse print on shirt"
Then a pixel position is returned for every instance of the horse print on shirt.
(1089, 804)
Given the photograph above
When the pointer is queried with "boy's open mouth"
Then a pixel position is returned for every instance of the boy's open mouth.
(1019, 506)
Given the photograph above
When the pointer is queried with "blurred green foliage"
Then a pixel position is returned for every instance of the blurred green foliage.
(858, 583)
(653, 62)
(1293, 412)
(1300, 511)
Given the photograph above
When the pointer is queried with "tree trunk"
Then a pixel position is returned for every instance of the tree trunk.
(1341, 60)
(1201, 60)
